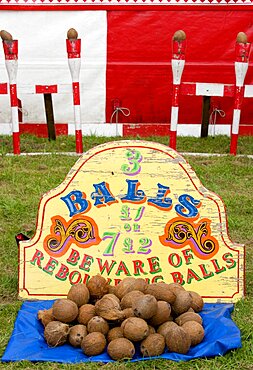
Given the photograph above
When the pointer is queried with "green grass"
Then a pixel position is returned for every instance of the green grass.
(23, 180)
(217, 144)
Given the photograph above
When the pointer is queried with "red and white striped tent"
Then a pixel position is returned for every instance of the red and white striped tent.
(125, 63)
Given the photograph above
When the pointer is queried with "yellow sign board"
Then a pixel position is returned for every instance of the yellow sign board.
(131, 208)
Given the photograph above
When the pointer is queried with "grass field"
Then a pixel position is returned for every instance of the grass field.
(24, 179)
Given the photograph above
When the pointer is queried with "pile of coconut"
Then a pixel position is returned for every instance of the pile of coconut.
(97, 317)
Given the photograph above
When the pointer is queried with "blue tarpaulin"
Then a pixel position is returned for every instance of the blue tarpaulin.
(27, 341)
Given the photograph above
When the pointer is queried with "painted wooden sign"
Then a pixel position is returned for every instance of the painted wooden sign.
(131, 208)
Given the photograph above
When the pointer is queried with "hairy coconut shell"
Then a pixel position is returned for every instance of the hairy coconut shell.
(93, 344)
(98, 287)
(128, 284)
(197, 301)
(46, 316)
(129, 298)
(108, 308)
(151, 330)
(113, 296)
(76, 335)
(145, 307)
(166, 328)
(188, 316)
(190, 310)
(178, 340)
(128, 312)
(153, 345)
(56, 333)
(6, 36)
(182, 303)
(175, 286)
(98, 324)
(162, 315)
(195, 331)
(86, 312)
(179, 35)
(161, 292)
(111, 289)
(135, 329)
(65, 310)
(140, 284)
(79, 294)
(72, 34)
(120, 348)
(242, 38)
(114, 333)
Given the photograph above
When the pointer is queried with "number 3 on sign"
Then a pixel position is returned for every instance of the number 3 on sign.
(134, 158)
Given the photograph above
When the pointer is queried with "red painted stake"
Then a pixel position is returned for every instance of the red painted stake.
(11, 63)
(242, 50)
(177, 64)
(74, 60)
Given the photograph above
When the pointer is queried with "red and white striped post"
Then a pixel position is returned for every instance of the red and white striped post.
(177, 64)
(74, 61)
(11, 62)
(242, 50)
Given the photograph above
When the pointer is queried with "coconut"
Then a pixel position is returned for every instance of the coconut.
(175, 286)
(135, 329)
(161, 292)
(129, 298)
(188, 316)
(115, 333)
(6, 36)
(166, 328)
(76, 335)
(242, 38)
(151, 330)
(108, 308)
(72, 34)
(111, 289)
(98, 324)
(197, 301)
(98, 286)
(195, 331)
(86, 312)
(179, 35)
(56, 333)
(120, 348)
(145, 307)
(93, 344)
(153, 345)
(178, 340)
(182, 303)
(163, 313)
(128, 284)
(113, 296)
(128, 312)
(190, 310)
(79, 294)
(65, 310)
(46, 316)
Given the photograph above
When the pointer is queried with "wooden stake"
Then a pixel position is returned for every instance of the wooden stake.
(205, 116)
(49, 116)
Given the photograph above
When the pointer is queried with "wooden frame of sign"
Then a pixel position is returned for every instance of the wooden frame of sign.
(131, 208)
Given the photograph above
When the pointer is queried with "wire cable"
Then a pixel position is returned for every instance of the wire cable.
(213, 118)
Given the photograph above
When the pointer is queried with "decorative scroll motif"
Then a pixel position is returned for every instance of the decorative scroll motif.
(227, 3)
(179, 233)
(81, 231)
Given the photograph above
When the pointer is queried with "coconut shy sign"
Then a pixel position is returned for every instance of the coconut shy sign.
(131, 208)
